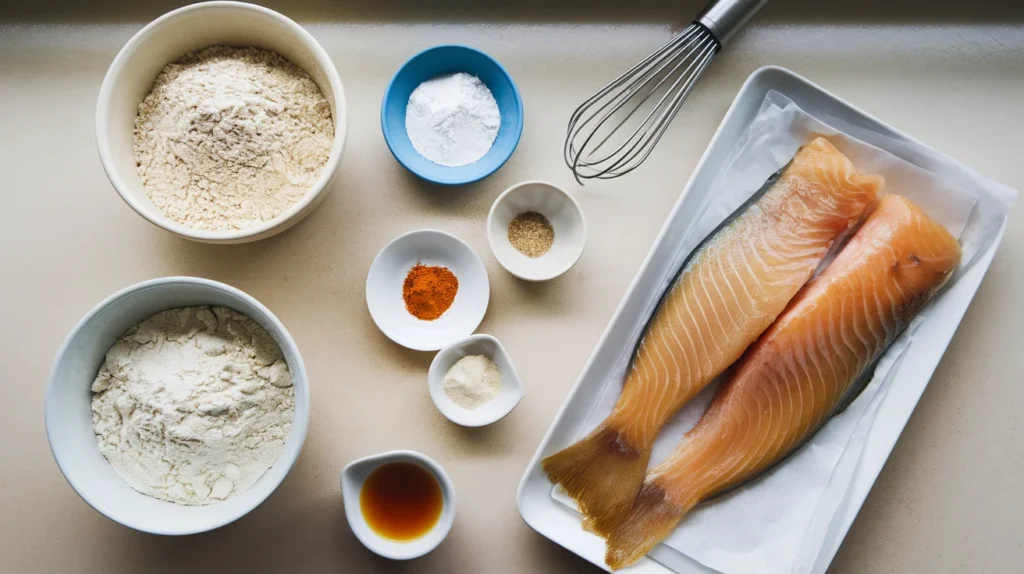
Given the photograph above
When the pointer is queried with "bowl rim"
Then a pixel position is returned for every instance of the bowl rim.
(264, 229)
(386, 129)
(300, 422)
(378, 460)
(551, 186)
(393, 334)
(435, 386)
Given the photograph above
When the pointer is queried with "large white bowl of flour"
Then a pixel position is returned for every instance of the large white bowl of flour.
(70, 420)
(235, 126)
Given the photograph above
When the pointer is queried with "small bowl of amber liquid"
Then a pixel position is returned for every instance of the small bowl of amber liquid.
(399, 504)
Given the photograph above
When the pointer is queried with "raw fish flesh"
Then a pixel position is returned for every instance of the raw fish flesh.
(810, 364)
(728, 291)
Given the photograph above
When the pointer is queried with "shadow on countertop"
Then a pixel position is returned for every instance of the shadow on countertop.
(583, 11)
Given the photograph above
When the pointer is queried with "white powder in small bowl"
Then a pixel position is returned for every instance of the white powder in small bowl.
(472, 381)
(452, 120)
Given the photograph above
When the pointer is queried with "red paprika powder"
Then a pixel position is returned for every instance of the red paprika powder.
(429, 291)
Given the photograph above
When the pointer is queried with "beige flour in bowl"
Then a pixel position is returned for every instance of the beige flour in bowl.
(193, 405)
(231, 137)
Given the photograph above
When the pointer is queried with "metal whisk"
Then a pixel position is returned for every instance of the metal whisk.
(607, 137)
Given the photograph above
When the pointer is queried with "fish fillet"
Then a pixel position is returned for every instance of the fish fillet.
(728, 292)
(807, 366)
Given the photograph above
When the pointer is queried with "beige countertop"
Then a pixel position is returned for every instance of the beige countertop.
(947, 501)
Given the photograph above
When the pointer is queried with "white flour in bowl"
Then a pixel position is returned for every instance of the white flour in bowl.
(231, 137)
(193, 405)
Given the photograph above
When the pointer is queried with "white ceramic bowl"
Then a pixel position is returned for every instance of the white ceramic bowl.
(170, 37)
(561, 210)
(492, 411)
(352, 478)
(69, 418)
(387, 275)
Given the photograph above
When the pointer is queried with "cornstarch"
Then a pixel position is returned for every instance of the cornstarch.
(231, 137)
(452, 120)
(193, 405)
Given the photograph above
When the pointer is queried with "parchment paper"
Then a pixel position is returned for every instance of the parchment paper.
(778, 522)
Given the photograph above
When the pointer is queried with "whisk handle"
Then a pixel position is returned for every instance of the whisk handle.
(725, 17)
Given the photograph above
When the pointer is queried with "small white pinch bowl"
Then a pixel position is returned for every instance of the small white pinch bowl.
(562, 211)
(387, 275)
(171, 36)
(490, 412)
(68, 412)
(355, 474)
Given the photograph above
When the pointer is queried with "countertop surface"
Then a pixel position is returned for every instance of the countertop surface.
(947, 501)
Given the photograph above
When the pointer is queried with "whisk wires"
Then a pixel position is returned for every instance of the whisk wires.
(615, 130)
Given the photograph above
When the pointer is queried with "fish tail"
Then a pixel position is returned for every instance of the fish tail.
(601, 472)
(634, 534)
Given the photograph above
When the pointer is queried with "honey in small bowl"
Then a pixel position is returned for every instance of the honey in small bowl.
(401, 501)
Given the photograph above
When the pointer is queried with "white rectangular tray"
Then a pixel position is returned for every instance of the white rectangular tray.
(536, 505)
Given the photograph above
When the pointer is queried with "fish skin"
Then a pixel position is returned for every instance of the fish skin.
(727, 292)
(805, 368)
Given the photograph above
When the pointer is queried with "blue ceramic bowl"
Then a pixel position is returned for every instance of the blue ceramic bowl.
(439, 61)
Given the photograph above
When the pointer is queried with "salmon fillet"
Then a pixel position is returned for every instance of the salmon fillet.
(728, 291)
(810, 364)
